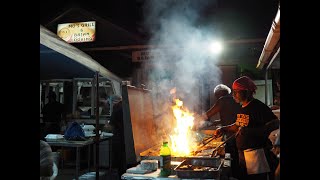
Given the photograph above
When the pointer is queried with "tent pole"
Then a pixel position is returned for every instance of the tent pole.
(97, 139)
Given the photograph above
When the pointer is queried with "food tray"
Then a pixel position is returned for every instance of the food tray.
(200, 168)
(54, 137)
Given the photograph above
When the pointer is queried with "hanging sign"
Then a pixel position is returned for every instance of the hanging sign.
(77, 32)
(147, 55)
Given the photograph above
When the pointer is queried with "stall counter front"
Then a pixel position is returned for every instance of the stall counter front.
(151, 176)
(155, 175)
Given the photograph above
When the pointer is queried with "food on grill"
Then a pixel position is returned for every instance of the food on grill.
(197, 168)
(200, 151)
(186, 167)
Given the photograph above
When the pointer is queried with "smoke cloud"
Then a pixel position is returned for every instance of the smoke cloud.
(182, 59)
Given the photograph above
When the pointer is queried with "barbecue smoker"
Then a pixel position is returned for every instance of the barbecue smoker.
(142, 142)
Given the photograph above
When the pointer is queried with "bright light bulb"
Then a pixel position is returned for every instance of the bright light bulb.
(215, 47)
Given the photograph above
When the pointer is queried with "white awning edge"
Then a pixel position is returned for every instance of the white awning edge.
(54, 42)
(271, 42)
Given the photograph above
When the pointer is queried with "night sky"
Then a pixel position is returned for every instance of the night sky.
(237, 19)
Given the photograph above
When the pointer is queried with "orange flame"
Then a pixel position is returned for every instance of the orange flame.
(182, 141)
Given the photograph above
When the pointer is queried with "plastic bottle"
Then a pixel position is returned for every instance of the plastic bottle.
(165, 159)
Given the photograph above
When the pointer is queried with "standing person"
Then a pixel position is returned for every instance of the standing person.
(116, 127)
(53, 115)
(276, 150)
(275, 139)
(225, 106)
(227, 109)
(254, 123)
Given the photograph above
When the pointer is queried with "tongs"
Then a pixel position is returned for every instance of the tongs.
(214, 152)
(205, 142)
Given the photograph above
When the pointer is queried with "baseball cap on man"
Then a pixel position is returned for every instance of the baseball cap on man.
(244, 83)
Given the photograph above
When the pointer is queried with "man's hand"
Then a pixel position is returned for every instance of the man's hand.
(218, 132)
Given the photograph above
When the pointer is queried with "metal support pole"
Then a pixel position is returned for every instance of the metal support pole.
(77, 162)
(110, 153)
(93, 95)
(40, 98)
(89, 157)
(75, 95)
(97, 139)
(266, 87)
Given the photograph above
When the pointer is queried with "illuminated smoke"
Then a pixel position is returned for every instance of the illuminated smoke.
(182, 59)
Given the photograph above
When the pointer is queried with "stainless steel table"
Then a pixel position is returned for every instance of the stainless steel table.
(154, 176)
(78, 145)
(225, 169)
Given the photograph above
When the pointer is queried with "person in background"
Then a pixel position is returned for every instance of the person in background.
(115, 126)
(276, 151)
(275, 139)
(225, 106)
(53, 115)
(227, 109)
(255, 121)
(276, 101)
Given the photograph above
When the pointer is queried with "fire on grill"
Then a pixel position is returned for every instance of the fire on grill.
(203, 151)
(184, 142)
(144, 130)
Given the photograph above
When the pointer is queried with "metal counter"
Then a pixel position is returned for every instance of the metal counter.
(78, 145)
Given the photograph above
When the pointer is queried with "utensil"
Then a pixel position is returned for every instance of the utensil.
(205, 142)
(228, 139)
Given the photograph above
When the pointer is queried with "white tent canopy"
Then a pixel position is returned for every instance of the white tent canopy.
(60, 60)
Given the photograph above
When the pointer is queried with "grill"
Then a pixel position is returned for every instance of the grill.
(202, 151)
(142, 142)
(200, 168)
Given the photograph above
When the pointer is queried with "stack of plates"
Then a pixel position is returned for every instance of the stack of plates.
(105, 134)
(88, 128)
(54, 137)
(90, 133)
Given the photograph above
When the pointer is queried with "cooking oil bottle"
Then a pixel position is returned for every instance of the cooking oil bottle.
(165, 160)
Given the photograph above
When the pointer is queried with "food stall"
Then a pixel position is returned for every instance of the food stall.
(66, 66)
(63, 68)
(144, 134)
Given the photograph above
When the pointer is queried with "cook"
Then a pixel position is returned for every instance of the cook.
(227, 109)
(255, 121)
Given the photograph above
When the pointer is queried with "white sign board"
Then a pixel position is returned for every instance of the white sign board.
(77, 32)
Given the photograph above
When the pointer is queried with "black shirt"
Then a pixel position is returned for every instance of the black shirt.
(116, 120)
(52, 112)
(227, 108)
(252, 119)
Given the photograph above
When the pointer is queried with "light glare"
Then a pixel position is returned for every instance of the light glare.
(215, 47)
